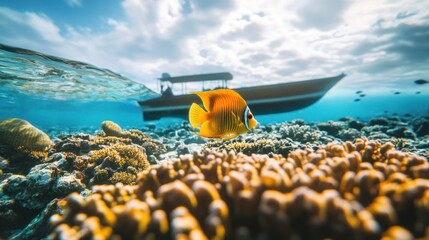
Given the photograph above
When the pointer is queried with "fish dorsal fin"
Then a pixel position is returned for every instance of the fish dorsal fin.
(207, 99)
(210, 97)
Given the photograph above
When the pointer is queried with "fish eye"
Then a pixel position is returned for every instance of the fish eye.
(250, 116)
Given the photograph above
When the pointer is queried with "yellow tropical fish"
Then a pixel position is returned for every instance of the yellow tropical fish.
(226, 114)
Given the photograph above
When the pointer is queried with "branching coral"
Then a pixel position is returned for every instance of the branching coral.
(110, 157)
(301, 133)
(112, 164)
(113, 133)
(259, 146)
(361, 190)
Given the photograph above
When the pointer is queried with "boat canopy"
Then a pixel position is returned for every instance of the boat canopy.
(226, 76)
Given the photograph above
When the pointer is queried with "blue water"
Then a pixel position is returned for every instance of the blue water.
(53, 92)
(47, 113)
(334, 106)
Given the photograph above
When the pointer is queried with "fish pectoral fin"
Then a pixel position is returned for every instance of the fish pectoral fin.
(207, 131)
(197, 115)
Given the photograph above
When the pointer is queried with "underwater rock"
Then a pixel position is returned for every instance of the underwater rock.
(356, 124)
(375, 128)
(420, 126)
(299, 132)
(379, 121)
(37, 228)
(182, 149)
(331, 127)
(401, 132)
(349, 134)
(10, 216)
(67, 184)
(16, 132)
(194, 139)
(40, 185)
(77, 144)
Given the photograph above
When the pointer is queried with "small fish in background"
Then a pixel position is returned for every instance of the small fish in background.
(418, 92)
(226, 114)
(397, 93)
(357, 100)
(359, 92)
(421, 81)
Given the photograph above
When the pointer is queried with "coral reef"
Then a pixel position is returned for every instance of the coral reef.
(282, 139)
(29, 180)
(420, 126)
(345, 179)
(332, 128)
(41, 185)
(17, 133)
(117, 163)
(361, 190)
(259, 146)
(113, 133)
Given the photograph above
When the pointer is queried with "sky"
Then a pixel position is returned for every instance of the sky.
(375, 42)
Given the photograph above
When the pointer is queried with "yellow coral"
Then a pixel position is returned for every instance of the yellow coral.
(123, 177)
(111, 140)
(121, 159)
(349, 191)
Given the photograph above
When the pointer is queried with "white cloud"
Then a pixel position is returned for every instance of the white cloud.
(34, 31)
(44, 27)
(258, 41)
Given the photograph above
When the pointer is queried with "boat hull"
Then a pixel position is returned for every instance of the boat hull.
(266, 99)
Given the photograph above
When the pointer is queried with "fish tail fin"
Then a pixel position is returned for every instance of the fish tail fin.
(197, 115)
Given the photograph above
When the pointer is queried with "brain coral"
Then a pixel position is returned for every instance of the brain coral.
(111, 129)
(361, 190)
(20, 133)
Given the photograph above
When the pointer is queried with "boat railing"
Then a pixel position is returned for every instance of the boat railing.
(222, 78)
